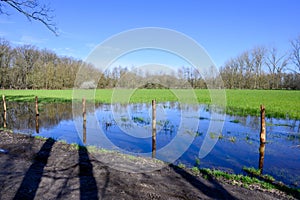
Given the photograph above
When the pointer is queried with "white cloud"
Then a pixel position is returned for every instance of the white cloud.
(91, 46)
(2, 34)
(30, 39)
(26, 39)
(66, 51)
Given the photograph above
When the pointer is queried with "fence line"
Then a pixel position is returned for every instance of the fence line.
(262, 126)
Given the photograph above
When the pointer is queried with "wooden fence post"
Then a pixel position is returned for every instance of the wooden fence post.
(84, 119)
(4, 111)
(262, 124)
(153, 128)
(37, 115)
(37, 106)
(84, 109)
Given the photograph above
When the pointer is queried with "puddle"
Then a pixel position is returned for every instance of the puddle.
(128, 128)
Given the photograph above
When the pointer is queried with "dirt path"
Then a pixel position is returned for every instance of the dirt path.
(45, 169)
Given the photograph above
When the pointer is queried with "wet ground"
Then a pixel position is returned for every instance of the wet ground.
(46, 169)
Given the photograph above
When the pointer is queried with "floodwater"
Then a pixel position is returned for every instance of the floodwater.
(180, 133)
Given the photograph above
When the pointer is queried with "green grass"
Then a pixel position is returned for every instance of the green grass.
(278, 103)
(267, 182)
(75, 146)
(94, 149)
(197, 162)
(139, 120)
(124, 119)
(212, 135)
(6, 129)
(181, 166)
(257, 173)
(40, 137)
(236, 121)
(272, 183)
(232, 139)
(44, 95)
(253, 181)
(221, 136)
(195, 170)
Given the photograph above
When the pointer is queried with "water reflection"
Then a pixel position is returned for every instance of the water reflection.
(22, 116)
(261, 157)
(237, 146)
(153, 128)
(37, 127)
(84, 131)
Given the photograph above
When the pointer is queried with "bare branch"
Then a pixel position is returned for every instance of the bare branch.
(276, 63)
(295, 54)
(33, 10)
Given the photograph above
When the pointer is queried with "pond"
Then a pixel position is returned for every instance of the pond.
(127, 128)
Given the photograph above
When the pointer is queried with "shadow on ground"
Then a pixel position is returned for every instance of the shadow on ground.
(33, 176)
(39, 169)
(216, 191)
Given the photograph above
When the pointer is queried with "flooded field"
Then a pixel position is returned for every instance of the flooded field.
(127, 128)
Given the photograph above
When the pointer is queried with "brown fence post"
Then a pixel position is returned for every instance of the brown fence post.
(262, 124)
(37, 115)
(4, 111)
(37, 106)
(84, 119)
(153, 128)
(84, 109)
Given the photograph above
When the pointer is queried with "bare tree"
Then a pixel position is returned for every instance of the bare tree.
(26, 57)
(295, 54)
(33, 10)
(247, 68)
(230, 73)
(5, 59)
(258, 56)
(276, 64)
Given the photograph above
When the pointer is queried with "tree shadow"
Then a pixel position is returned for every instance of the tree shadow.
(33, 176)
(20, 98)
(216, 192)
(88, 184)
(30, 98)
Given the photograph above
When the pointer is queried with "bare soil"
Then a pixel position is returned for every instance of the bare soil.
(45, 169)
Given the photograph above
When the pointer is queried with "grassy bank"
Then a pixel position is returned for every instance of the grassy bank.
(279, 103)
(250, 181)
(253, 180)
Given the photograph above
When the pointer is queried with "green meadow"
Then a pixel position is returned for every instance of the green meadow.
(278, 103)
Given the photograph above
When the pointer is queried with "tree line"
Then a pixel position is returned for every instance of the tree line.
(263, 68)
(27, 67)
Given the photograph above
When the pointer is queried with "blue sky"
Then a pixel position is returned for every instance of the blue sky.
(224, 28)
